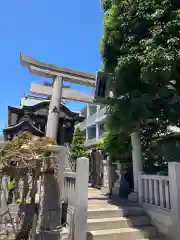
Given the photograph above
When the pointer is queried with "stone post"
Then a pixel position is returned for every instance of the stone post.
(116, 185)
(82, 179)
(174, 180)
(136, 157)
(107, 178)
(4, 194)
(54, 108)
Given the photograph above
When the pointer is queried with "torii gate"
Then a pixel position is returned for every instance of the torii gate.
(57, 91)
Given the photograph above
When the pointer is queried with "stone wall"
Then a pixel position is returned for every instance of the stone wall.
(160, 218)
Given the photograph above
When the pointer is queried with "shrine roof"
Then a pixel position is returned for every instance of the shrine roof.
(36, 109)
(19, 125)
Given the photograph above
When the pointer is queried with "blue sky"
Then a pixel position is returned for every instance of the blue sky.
(61, 32)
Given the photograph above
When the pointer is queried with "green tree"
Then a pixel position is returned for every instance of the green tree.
(117, 145)
(78, 147)
(140, 47)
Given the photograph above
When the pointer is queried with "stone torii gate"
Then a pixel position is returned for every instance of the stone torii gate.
(57, 91)
(101, 82)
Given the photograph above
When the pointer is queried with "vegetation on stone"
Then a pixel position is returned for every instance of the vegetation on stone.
(140, 47)
(25, 151)
(78, 147)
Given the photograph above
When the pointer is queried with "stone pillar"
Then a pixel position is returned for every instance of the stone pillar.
(116, 185)
(54, 108)
(174, 179)
(136, 157)
(137, 163)
(90, 167)
(107, 178)
(81, 201)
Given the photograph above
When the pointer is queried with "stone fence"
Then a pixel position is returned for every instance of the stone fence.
(160, 197)
(154, 190)
(73, 184)
(17, 214)
(75, 194)
(58, 185)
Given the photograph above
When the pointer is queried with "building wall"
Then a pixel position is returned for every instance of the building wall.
(14, 118)
(93, 128)
(93, 125)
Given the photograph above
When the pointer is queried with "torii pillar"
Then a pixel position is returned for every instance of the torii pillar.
(54, 108)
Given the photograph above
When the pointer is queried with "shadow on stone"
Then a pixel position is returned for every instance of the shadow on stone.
(28, 210)
(50, 219)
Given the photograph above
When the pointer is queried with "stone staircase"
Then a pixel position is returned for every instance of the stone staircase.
(115, 220)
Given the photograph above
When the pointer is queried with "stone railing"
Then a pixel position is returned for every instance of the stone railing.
(69, 162)
(154, 190)
(56, 184)
(162, 192)
(17, 214)
(25, 189)
(75, 194)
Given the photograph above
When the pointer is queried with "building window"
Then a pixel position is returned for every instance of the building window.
(92, 132)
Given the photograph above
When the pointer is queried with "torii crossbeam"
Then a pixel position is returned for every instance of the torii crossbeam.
(57, 91)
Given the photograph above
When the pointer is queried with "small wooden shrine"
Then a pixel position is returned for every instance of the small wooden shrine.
(34, 120)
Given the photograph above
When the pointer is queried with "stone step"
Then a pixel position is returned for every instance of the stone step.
(47, 236)
(117, 222)
(114, 212)
(122, 233)
(90, 206)
(53, 235)
(153, 238)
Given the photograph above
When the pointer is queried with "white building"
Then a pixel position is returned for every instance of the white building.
(94, 124)
(93, 128)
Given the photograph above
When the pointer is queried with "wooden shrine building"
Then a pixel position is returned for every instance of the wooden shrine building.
(34, 120)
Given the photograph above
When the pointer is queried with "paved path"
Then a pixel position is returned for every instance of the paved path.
(97, 199)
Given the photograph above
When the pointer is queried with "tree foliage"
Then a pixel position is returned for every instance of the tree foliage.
(24, 151)
(140, 47)
(117, 144)
(78, 148)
